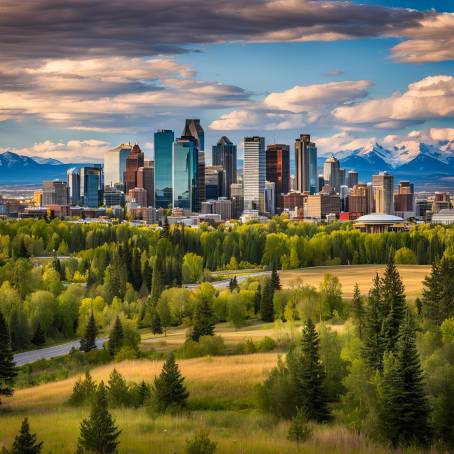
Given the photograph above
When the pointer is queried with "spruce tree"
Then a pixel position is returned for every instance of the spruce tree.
(116, 337)
(117, 390)
(308, 376)
(233, 284)
(168, 388)
(266, 302)
(275, 280)
(88, 341)
(157, 279)
(7, 367)
(26, 442)
(358, 311)
(202, 320)
(98, 432)
(156, 327)
(39, 338)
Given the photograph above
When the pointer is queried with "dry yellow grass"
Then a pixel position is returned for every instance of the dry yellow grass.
(412, 276)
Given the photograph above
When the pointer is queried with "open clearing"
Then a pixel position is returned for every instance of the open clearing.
(412, 276)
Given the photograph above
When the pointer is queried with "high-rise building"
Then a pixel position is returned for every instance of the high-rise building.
(91, 185)
(214, 181)
(352, 178)
(361, 199)
(332, 173)
(134, 160)
(236, 195)
(320, 205)
(278, 171)
(139, 196)
(321, 182)
(224, 154)
(270, 197)
(73, 182)
(306, 164)
(115, 164)
(441, 201)
(185, 175)
(383, 185)
(55, 193)
(404, 198)
(254, 173)
(222, 206)
(163, 143)
(343, 194)
(113, 197)
(145, 180)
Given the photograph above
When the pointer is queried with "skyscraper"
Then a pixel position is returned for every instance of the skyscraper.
(270, 197)
(73, 182)
(91, 185)
(254, 173)
(55, 193)
(404, 199)
(332, 173)
(360, 199)
(163, 143)
(185, 172)
(278, 171)
(305, 164)
(383, 185)
(115, 164)
(134, 160)
(214, 181)
(224, 154)
(145, 180)
(352, 178)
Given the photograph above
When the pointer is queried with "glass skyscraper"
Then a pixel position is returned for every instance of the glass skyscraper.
(306, 164)
(224, 154)
(91, 185)
(163, 142)
(185, 175)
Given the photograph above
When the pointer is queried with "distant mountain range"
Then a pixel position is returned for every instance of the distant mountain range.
(19, 169)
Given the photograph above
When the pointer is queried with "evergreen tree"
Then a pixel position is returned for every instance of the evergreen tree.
(156, 327)
(257, 299)
(18, 328)
(358, 311)
(405, 415)
(26, 442)
(202, 320)
(98, 432)
(83, 391)
(143, 394)
(275, 280)
(418, 304)
(116, 337)
(169, 389)
(233, 284)
(117, 390)
(308, 376)
(88, 341)
(165, 232)
(7, 368)
(157, 279)
(56, 265)
(39, 338)
(266, 302)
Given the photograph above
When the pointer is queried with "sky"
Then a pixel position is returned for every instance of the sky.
(82, 76)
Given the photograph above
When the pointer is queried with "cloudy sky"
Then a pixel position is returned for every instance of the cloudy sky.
(80, 76)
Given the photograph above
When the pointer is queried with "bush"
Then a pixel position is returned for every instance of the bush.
(299, 429)
(125, 353)
(200, 444)
(267, 344)
(207, 346)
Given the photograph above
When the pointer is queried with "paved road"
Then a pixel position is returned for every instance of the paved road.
(50, 352)
(226, 282)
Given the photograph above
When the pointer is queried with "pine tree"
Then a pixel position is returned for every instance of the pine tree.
(83, 391)
(233, 284)
(308, 376)
(144, 393)
(88, 341)
(39, 338)
(257, 299)
(165, 232)
(168, 388)
(116, 337)
(275, 280)
(157, 279)
(117, 390)
(98, 432)
(26, 442)
(7, 368)
(266, 302)
(358, 312)
(156, 327)
(202, 320)
(56, 265)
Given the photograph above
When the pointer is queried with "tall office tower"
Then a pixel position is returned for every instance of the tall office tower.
(193, 128)
(55, 193)
(278, 172)
(332, 173)
(321, 182)
(270, 197)
(163, 193)
(145, 180)
(113, 197)
(343, 194)
(91, 185)
(185, 174)
(360, 199)
(73, 182)
(214, 181)
(236, 195)
(254, 173)
(342, 177)
(383, 185)
(224, 154)
(134, 160)
(352, 178)
(115, 164)
(305, 164)
(404, 199)
(139, 196)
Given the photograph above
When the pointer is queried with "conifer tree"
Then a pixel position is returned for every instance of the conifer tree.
(157, 279)
(117, 390)
(7, 368)
(358, 311)
(308, 376)
(156, 327)
(116, 337)
(202, 320)
(88, 341)
(18, 328)
(56, 265)
(98, 432)
(233, 284)
(257, 299)
(39, 338)
(168, 388)
(83, 390)
(275, 280)
(165, 232)
(26, 442)
(266, 302)
(144, 393)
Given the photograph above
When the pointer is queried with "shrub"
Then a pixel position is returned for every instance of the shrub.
(200, 444)
(207, 346)
(267, 344)
(299, 429)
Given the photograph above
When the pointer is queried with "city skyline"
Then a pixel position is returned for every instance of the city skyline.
(378, 71)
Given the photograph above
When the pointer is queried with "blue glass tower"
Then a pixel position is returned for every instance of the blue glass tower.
(163, 142)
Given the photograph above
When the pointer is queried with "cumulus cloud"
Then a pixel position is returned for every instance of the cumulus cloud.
(428, 136)
(342, 141)
(429, 98)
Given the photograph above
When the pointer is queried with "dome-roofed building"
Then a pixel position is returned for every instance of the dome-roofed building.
(379, 223)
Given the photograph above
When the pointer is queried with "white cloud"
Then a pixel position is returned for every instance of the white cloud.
(342, 141)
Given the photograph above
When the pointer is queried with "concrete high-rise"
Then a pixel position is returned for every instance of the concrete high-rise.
(352, 178)
(306, 164)
(224, 154)
(332, 173)
(55, 193)
(278, 171)
(383, 185)
(134, 160)
(254, 173)
(73, 182)
(163, 143)
(404, 199)
(361, 199)
(145, 180)
(115, 164)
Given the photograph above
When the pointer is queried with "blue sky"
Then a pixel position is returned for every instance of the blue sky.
(343, 76)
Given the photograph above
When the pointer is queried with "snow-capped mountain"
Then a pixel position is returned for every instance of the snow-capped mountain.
(50, 161)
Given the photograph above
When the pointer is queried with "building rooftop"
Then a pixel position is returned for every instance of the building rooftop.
(379, 218)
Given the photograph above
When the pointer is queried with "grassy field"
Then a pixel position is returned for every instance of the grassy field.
(412, 276)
